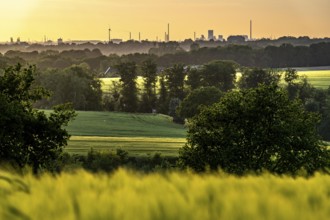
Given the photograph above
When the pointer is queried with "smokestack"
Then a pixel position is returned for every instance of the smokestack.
(250, 29)
(109, 34)
(168, 32)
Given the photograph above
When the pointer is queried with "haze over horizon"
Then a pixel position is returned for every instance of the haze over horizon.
(90, 20)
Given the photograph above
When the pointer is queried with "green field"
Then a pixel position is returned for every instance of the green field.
(318, 78)
(126, 196)
(140, 134)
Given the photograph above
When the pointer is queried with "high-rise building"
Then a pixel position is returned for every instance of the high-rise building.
(210, 35)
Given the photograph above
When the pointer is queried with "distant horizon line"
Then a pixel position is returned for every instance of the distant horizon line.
(147, 40)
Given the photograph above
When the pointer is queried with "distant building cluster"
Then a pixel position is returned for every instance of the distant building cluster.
(210, 37)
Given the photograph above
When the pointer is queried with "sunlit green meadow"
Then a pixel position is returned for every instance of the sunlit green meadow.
(319, 78)
(139, 134)
(125, 195)
(136, 146)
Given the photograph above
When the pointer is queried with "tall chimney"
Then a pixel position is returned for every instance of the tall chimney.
(168, 32)
(250, 29)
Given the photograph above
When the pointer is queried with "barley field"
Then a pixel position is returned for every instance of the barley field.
(125, 195)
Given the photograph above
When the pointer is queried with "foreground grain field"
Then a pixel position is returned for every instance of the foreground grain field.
(125, 195)
(139, 134)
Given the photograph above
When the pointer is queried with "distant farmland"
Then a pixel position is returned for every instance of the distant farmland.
(140, 134)
(318, 77)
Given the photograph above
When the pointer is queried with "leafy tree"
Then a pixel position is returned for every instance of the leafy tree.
(111, 101)
(75, 84)
(204, 96)
(172, 110)
(29, 136)
(128, 76)
(194, 78)
(251, 78)
(221, 74)
(252, 130)
(175, 77)
(163, 102)
(149, 73)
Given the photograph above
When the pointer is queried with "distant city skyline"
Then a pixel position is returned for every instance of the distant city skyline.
(90, 20)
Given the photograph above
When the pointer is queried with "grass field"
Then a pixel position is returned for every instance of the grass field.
(140, 134)
(126, 196)
(318, 78)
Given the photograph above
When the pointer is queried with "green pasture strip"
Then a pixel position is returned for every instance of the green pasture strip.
(127, 195)
(135, 146)
(116, 124)
(318, 77)
(106, 83)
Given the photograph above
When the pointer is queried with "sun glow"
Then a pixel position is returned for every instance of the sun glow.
(86, 19)
(13, 14)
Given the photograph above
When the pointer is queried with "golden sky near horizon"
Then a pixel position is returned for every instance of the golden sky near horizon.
(90, 19)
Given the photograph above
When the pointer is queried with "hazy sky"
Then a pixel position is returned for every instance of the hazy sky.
(90, 19)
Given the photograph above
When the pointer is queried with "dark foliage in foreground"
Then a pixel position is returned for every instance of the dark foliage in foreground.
(254, 130)
(28, 136)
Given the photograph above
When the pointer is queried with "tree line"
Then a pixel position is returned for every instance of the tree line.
(282, 56)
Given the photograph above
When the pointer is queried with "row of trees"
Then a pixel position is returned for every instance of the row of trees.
(163, 92)
(270, 56)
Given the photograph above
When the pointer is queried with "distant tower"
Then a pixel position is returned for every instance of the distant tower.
(210, 35)
(109, 34)
(250, 29)
(194, 36)
(168, 32)
(139, 36)
(130, 36)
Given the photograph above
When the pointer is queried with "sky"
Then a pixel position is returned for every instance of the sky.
(32, 20)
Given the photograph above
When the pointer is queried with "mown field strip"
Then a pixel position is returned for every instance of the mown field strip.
(136, 146)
